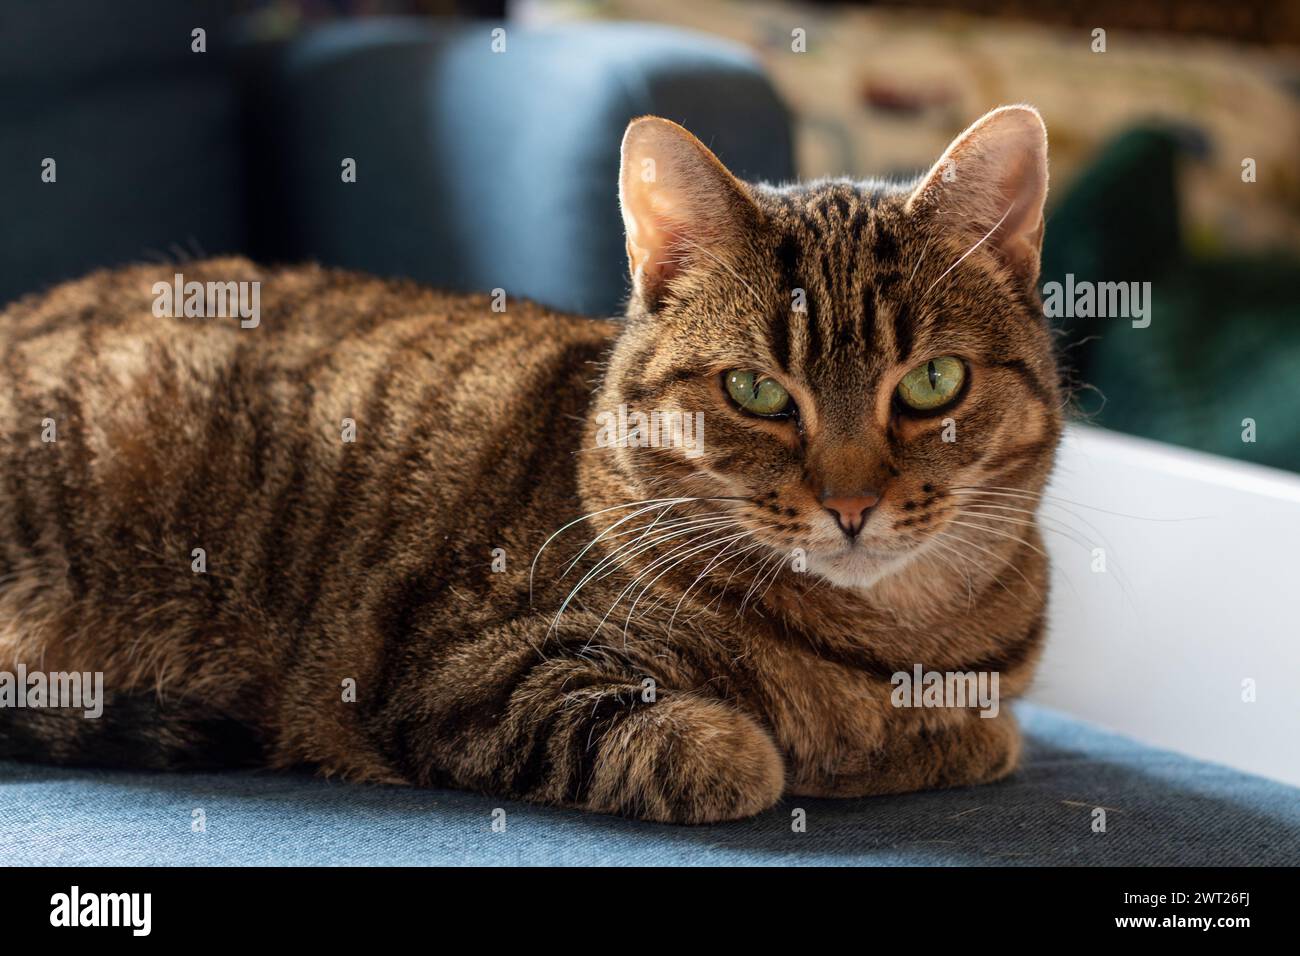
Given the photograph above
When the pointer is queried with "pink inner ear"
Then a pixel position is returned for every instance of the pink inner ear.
(666, 232)
(656, 238)
(670, 250)
(1024, 192)
(999, 189)
(1019, 238)
(695, 210)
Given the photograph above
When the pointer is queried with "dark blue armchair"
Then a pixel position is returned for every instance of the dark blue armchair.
(479, 169)
(475, 169)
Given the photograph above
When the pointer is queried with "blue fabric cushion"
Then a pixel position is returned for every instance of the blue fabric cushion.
(1161, 809)
(479, 170)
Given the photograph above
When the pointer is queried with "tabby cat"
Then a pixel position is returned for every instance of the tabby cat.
(391, 533)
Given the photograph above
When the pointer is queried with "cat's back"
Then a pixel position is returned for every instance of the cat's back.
(260, 412)
(183, 329)
(213, 301)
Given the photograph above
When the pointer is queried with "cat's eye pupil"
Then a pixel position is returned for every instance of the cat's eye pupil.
(741, 386)
(758, 395)
(933, 384)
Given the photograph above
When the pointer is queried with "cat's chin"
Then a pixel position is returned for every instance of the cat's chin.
(856, 567)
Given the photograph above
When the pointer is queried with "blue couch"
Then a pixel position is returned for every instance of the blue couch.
(475, 170)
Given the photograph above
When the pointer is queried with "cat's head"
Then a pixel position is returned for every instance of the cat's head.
(860, 354)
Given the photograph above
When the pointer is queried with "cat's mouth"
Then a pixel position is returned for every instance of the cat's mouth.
(871, 550)
(857, 563)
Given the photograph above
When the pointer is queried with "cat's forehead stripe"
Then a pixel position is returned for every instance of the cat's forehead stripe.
(841, 247)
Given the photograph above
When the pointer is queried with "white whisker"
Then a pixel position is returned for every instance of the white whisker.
(970, 250)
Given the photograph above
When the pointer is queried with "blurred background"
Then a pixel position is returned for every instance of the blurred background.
(487, 159)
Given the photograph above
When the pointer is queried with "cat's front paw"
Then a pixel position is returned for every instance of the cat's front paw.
(969, 751)
(687, 759)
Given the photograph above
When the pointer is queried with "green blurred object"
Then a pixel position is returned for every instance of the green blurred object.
(1223, 343)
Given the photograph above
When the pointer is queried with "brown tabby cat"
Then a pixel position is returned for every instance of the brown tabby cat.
(426, 603)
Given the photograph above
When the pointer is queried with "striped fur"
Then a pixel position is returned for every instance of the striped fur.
(328, 562)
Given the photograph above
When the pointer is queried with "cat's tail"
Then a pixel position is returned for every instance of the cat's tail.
(132, 731)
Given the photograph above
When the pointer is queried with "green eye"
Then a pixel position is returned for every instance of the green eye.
(755, 394)
(932, 384)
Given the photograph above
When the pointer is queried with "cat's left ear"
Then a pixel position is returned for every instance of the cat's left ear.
(681, 207)
(991, 184)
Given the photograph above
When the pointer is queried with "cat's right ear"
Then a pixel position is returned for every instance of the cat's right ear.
(681, 207)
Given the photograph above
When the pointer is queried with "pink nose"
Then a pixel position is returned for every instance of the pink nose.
(851, 511)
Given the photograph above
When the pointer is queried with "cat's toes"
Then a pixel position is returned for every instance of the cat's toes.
(687, 760)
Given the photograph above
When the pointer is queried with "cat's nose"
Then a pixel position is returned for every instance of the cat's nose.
(851, 510)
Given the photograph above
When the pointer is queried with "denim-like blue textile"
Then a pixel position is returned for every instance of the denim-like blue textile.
(1162, 808)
